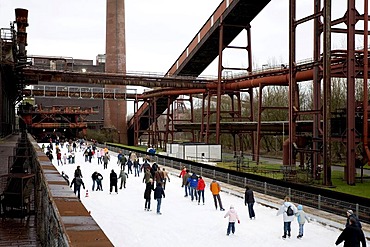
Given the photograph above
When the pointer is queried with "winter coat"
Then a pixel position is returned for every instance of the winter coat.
(201, 184)
(123, 175)
(113, 178)
(248, 197)
(185, 178)
(147, 176)
(158, 176)
(129, 163)
(145, 166)
(283, 210)
(155, 167)
(99, 176)
(352, 236)
(106, 158)
(77, 181)
(123, 163)
(136, 163)
(302, 217)
(148, 190)
(233, 215)
(358, 223)
(159, 192)
(182, 173)
(94, 176)
(78, 173)
(119, 156)
(193, 181)
(215, 188)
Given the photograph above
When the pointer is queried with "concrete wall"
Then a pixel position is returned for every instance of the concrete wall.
(62, 218)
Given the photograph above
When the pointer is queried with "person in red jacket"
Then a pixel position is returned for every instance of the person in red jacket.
(182, 174)
(200, 188)
(59, 158)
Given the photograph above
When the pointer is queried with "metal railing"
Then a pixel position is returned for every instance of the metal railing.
(308, 199)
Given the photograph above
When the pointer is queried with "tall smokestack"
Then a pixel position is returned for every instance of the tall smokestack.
(21, 18)
(115, 111)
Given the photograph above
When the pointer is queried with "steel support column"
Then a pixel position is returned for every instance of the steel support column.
(317, 77)
(169, 116)
(250, 91)
(327, 95)
(351, 100)
(219, 82)
(202, 126)
(366, 77)
(260, 109)
(292, 80)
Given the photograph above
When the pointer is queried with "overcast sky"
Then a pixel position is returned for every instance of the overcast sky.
(158, 31)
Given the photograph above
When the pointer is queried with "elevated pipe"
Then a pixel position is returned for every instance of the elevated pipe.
(267, 81)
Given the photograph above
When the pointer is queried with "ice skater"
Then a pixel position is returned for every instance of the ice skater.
(233, 217)
(301, 218)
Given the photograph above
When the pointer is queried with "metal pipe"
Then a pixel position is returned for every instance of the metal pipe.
(281, 80)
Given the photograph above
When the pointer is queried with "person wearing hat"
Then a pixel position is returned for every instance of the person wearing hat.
(301, 218)
(352, 235)
(350, 215)
(233, 217)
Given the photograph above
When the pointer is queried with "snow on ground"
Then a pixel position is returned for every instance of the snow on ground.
(183, 222)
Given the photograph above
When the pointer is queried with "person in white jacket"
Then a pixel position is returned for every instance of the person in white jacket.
(288, 210)
(233, 217)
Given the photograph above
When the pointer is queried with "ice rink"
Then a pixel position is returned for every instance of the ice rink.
(183, 222)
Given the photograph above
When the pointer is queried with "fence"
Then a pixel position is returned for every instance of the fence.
(318, 201)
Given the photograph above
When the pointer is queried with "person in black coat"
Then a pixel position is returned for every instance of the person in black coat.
(158, 193)
(352, 235)
(94, 177)
(249, 200)
(98, 182)
(350, 215)
(77, 182)
(78, 172)
(147, 194)
(113, 181)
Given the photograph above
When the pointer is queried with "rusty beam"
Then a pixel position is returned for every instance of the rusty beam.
(33, 76)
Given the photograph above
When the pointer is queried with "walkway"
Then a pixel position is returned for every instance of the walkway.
(15, 232)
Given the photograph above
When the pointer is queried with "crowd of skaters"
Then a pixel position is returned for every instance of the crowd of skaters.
(194, 188)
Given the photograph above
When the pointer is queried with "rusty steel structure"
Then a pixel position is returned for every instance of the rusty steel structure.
(182, 83)
(64, 121)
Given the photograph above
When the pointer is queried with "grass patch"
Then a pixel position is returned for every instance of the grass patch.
(339, 185)
(360, 189)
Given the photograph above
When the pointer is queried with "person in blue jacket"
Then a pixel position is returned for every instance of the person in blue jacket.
(193, 183)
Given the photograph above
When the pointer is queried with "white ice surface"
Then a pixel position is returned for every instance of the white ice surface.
(183, 222)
